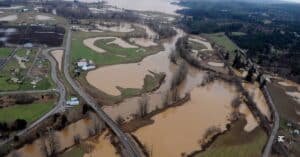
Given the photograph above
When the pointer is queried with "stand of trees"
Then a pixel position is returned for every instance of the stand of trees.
(270, 33)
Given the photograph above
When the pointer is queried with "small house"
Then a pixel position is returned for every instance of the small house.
(280, 139)
(73, 101)
(86, 65)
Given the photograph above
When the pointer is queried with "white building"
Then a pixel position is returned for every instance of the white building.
(74, 101)
(86, 65)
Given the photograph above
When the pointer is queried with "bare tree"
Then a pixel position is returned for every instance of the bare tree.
(77, 139)
(236, 102)
(173, 56)
(211, 131)
(15, 154)
(143, 106)
(53, 142)
(166, 99)
(43, 146)
(120, 120)
(179, 75)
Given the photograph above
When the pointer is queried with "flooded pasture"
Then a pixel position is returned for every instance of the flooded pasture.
(65, 137)
(9, 18)
(102, 147)
(178, 130)
(43, 18)
(121, 28)
(132, 75)
(258, 98)
(165, 6)
(58, 55)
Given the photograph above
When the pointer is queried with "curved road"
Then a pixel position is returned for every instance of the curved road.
(60, 104)
(130, 147)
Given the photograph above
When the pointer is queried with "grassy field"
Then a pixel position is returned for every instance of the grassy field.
(114, 54)
(237, 143)
(222, 40)
(73, 152)
(238, 33)
(5, 52)
(29, 112)
(6, 74)
(197, 46)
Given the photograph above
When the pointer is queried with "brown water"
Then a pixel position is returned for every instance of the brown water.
(259, 98)
(132, 75)
(58, 55)
(178, 130)
(251, 121)
(65, 137)
(142, 5)
(102, 147)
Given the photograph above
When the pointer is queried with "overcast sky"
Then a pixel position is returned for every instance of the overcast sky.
(293, 1)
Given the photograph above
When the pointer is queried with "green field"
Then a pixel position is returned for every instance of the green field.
(73, 152)
(5, 52)
(6, 74)
(197, 46)
(114, 54)
(222, 40)
(237, 143)
(238, 33)
(29, 112)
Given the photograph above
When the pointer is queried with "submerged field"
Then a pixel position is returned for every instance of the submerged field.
(114, 53)
(112, 48)
(236, 143)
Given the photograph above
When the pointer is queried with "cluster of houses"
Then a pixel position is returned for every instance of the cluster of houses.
(85, 65)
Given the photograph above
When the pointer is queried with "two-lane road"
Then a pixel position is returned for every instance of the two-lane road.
(59, 105)
(130, 147)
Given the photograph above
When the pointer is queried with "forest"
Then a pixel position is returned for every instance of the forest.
(270, 33)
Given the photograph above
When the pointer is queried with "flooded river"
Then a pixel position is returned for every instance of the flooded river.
(178, 130)
(132, 75)
(165, 6)
(65, 139)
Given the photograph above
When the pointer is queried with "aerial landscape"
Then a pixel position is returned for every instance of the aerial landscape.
(149, 78)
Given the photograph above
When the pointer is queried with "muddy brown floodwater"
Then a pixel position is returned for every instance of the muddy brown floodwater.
(102, 147)
(259, 98)
(178, 130)
(64, 137)
(132, 75)
(58, 55)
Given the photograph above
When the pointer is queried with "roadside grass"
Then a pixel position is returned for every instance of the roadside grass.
(236, 142)
(197, 46)
(238, 33)
(5, 86)
(76, 151)
(5, 52)
(222, 40)
(29, 112)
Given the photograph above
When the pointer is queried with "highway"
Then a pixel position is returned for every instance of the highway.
(272, 137)
(60, 104)
(130, 147)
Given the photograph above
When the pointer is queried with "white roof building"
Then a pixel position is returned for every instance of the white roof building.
(280, 139)
(74, 101)
(88, 67)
